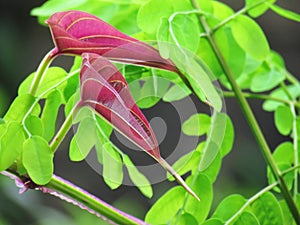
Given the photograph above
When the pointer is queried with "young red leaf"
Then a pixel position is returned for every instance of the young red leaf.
(76, 32)
(104, 89)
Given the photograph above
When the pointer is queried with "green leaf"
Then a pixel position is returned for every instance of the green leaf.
(258, 7)
(213, 221)
(266, 79)
(233, 54)
(214, 140)
(199, 76)
(250, 37)
(196, 125)
(112, 166)
(267, 210)
(73, 82)
(285, 13)
(283, 119)
(35, 125)
(50, 112)
(212, 171)
(152, 91)
(138, 178)
(289, 177)
(247, 218)
(284, 153)
(202, 186)
(166, 207)
(228, 207)
(185, 219)
(53, 76)
(228, 138)
(19, 108)
(151, 12)
(11, 144)
(83, 140)
(170, 32)
(287, 216)
(206, 54)
(37, 158)
(176, 93)
(50, 7)
(186, 163)
(271, 105)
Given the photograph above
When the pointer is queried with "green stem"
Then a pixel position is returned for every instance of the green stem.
(257, 195)
(263, 97)
(73, 194)
(242, 11)
(296, 155)
(251, 120)
(250, 201)
(64, 129)
(41, 71)
(90, 202)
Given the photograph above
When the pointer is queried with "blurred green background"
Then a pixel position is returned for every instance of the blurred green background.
(23, 43)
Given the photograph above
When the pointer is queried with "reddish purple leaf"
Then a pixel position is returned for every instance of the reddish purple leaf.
(76, 32)
(104, 89)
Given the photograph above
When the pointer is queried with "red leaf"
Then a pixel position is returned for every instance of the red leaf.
(76, 32)
(104, 89)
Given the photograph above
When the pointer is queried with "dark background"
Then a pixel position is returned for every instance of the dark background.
(23, 43)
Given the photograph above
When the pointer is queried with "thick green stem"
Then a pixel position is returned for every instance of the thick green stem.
(263, 97)
(41, 71)
(251, 120)
(91, 203)
(73, 194)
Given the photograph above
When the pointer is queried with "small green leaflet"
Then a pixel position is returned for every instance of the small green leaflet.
(108, 154)
(284, 158)
(283, 119)
(213, 221)
(250, 36)
(247, 218)
(270, 105)
(83, 140)
(53, 76)
(152, 91)
(258, 7)
(267, 210)
(168, 206)
(112, 166)
(19, 108)
(228, 207)
(11, 144)
(197, 125)
(185, 219)
(271, 78)
(34, 125)
(50, 112)
(175, 93)
(37, 158)
(137, 178)
(285, 13)
(202, 186)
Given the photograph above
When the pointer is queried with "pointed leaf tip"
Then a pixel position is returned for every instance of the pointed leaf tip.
(178, 178)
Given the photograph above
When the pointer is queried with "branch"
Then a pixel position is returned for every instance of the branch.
(252, 122)
(75, 195)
